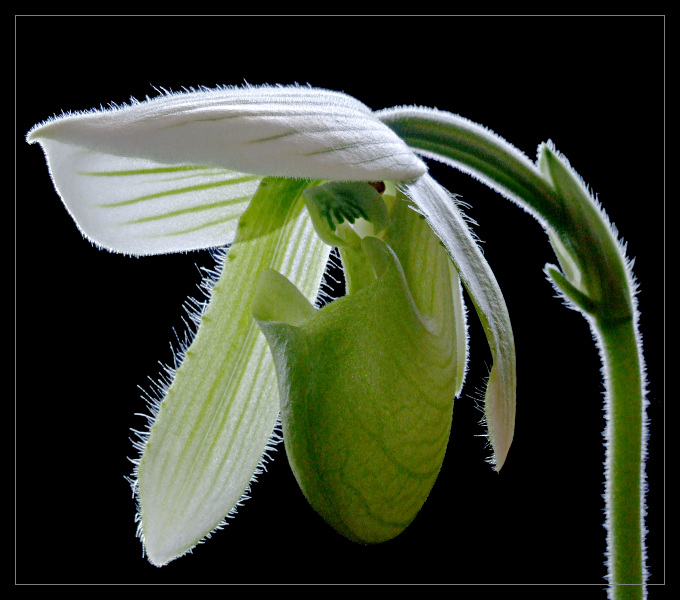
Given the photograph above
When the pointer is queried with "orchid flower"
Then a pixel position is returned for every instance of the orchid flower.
(365, 385)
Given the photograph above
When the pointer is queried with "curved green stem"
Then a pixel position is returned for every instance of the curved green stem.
(595, 279)
(475, 150)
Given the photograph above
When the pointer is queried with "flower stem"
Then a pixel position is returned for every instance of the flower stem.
(625, 435)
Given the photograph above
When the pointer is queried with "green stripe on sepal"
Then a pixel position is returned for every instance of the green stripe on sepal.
(366, 394)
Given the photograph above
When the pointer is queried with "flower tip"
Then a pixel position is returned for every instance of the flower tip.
(499, 412)
(499, 457)
(37, 132)
(501, 448)
(157, 560)
(161, 549)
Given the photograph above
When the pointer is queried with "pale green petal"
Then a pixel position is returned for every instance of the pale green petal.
(218, 415)
(136, 206)
(283, 131)
(440, 210)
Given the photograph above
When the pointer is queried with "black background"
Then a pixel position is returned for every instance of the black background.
(92, 326)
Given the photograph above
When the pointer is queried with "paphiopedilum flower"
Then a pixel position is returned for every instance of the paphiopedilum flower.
(366, 384)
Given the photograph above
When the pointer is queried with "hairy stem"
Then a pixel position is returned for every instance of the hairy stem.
(625, 435)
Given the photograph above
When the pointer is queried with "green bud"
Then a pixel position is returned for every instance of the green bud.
(594, 273)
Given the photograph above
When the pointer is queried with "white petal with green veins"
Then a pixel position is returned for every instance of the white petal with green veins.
(218, 415)
(136, 206)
